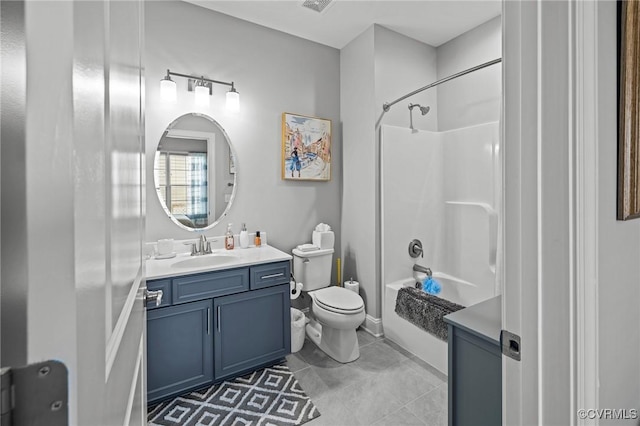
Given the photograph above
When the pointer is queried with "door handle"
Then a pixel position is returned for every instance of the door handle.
(218, 319)
(151, 296)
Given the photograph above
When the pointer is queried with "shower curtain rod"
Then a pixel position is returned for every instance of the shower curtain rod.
(387, 105)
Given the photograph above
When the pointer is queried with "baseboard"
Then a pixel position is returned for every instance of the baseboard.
(372, 326)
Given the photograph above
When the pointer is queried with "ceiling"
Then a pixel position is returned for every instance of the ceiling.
(430, 21)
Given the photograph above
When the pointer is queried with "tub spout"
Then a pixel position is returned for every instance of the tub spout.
(419, 268)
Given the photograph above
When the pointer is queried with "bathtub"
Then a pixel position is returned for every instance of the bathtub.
(414, 339)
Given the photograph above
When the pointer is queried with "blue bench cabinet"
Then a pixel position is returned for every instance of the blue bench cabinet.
(252, 328)
(216, 325)
(179, 348)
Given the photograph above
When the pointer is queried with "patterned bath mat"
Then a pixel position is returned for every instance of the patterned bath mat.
(271, 396)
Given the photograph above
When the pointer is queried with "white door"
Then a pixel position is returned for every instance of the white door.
(550, 179)
(79, 206)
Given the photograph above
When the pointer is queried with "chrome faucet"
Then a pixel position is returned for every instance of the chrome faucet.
(203, 247)
(419, 268)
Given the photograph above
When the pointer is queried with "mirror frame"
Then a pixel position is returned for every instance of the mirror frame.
(235, 175)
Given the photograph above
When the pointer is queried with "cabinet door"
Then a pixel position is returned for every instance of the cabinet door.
(475, 380)
(179, 349)
(252, 329)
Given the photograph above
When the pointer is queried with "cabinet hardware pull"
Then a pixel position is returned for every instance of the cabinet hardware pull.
(208, 320)
(218, 319)
(266, 277)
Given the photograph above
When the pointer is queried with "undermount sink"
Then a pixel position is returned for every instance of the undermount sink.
(206, 260)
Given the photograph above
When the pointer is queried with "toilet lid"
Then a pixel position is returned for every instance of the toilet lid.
(338, 299)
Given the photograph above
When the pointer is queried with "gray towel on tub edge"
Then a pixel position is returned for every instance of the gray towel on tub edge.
(425, 310)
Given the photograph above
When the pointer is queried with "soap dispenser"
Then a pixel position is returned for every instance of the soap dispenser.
(228, 239)
(244, 236)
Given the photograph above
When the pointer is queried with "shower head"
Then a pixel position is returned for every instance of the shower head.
(423, 110)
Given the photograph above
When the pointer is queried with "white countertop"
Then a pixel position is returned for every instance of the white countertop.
(164, 268)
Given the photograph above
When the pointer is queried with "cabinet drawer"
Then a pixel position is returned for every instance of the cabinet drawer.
(165, 286)
(212, 284)
(269, 275)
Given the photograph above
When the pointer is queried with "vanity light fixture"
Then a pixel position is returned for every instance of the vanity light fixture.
(201, 94)
(168, 88)
(233, 99)
(202, 88)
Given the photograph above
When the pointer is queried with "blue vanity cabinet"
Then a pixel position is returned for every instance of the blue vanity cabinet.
(251, 329)
(216, 325)
(475, 364)
(179, 348)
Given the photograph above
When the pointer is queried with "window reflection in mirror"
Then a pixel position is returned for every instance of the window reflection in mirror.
(192, 173)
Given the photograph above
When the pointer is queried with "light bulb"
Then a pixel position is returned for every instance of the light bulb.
(233, 100)
(202, 96)
(168, 89)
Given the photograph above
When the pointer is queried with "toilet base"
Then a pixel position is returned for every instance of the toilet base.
(341, 345)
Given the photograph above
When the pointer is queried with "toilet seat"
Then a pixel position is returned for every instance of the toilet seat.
(338, 300)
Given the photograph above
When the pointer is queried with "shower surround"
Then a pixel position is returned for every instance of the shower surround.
(443, 189)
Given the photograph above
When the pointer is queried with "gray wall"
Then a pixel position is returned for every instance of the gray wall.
(357, 108)
(184, 145)
(474, 98)
(274, 73)
(403, 65)
(618, 246)
(380, 65)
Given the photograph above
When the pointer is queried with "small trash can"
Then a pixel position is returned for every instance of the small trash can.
(298, 322)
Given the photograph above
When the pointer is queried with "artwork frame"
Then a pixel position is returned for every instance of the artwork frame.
(628, 110)
(306, 148)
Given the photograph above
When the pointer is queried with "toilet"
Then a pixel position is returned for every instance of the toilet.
(335, 311)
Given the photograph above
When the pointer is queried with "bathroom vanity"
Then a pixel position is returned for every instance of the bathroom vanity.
(221, 315)
(475, 364)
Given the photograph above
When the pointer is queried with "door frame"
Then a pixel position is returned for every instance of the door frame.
(550, 121)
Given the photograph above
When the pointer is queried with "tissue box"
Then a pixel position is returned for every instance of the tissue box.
(323, 239)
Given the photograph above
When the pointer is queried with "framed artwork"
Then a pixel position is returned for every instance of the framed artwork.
(306, 148)
(629, 109)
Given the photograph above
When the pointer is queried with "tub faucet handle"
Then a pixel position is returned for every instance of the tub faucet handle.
(415, 249)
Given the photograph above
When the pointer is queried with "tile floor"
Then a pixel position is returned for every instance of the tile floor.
(385, 386)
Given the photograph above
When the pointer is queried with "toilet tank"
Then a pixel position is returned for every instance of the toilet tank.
(313, 268)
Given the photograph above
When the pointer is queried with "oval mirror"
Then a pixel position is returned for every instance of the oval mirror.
(194, 172)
